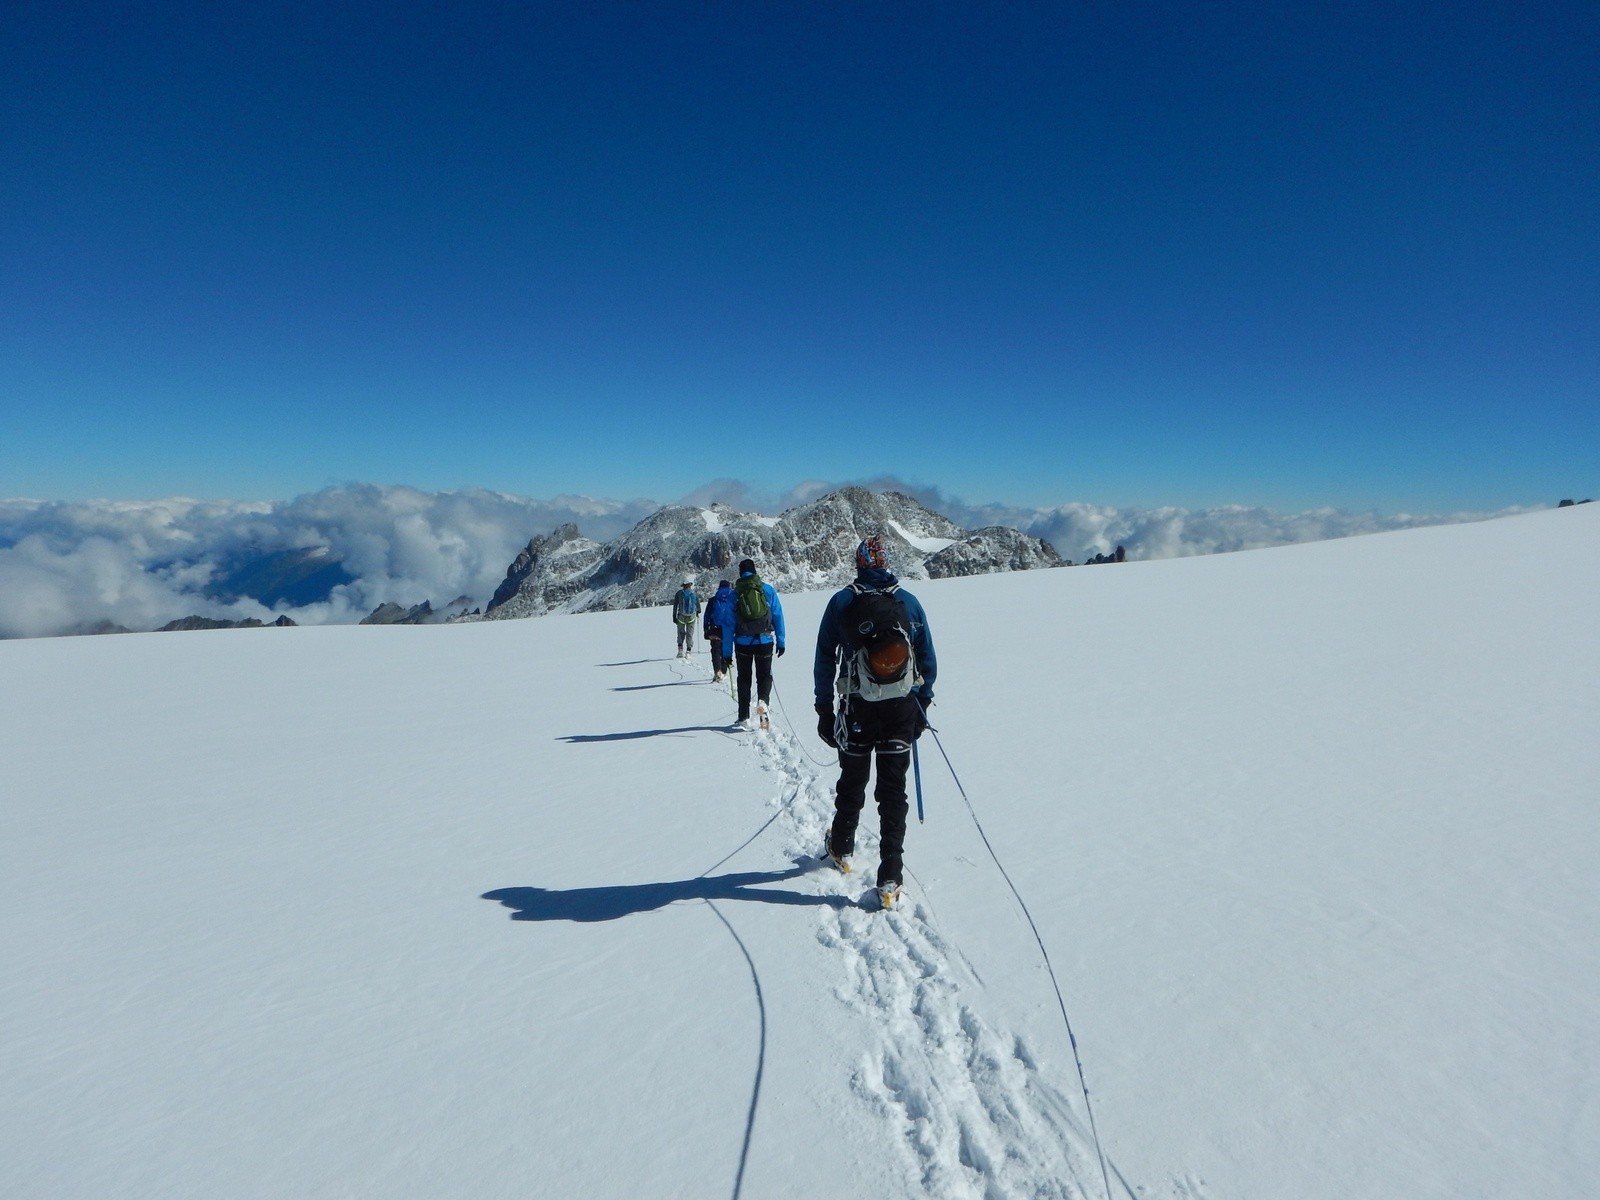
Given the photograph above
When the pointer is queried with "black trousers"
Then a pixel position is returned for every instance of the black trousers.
(759, 657)
(885, 729)
(714, 637)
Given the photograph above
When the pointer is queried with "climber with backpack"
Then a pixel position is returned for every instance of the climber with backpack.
(755, 633)
(685, 614)
(875, 654)
(719, 616)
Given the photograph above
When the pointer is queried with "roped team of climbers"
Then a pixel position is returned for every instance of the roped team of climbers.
(873, 674)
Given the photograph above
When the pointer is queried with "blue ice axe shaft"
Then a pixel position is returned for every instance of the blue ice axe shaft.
(916, 773)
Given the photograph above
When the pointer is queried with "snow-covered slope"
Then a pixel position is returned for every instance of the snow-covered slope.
(505, 910)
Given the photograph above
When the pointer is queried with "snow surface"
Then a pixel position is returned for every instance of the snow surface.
(505, 910)
(928, 545)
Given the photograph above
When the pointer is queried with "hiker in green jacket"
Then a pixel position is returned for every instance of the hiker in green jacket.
(756, 634)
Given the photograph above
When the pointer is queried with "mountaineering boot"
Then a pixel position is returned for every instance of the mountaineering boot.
(888, 893)
(841, 862)
(761, 715)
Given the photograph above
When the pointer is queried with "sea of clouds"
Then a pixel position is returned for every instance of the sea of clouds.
(73, 566)
(1079, 530)
(68, 567)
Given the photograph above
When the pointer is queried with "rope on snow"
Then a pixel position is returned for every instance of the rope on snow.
(1043, 953)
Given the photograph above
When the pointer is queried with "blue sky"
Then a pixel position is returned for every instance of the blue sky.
(1131, 253)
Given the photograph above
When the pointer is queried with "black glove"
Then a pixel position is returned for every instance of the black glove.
(919, 724)
(780, 651)
(825, 725)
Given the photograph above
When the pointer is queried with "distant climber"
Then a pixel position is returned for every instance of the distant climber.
(719, 614)
(685, 615)
(755, 633)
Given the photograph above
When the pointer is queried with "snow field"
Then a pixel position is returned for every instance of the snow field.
(1310, 833)
(505, 908)
(972, 1117)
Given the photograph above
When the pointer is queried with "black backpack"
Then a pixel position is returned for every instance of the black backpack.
(752, 614)
(875, 628)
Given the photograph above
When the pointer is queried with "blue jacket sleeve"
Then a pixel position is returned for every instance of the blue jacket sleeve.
(825, 666)
(777, 613)
(922, 647)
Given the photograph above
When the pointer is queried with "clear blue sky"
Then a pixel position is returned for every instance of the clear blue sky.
(1133, 253)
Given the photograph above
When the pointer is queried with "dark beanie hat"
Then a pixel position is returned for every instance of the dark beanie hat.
(747, 566)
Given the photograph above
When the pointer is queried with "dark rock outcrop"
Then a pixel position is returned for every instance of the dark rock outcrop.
(394, 614)
(417, 614)
(1095, 560)
(196, 622)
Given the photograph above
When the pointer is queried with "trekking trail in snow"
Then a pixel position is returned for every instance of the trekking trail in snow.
(972, 1116)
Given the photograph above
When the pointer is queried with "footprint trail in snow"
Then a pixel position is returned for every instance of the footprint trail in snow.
(973, 1118)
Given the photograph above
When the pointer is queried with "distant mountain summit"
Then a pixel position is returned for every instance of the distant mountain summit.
(991, 550)
(808, 547)
(425, 613)
(556, 563)
(189, 624)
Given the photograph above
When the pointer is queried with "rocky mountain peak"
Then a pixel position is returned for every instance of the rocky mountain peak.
(990, 550)
(810, 546)
(563, 542)
(425, 613)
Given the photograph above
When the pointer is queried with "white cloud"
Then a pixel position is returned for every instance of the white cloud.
(47, 590)
(141, 564)
(1080, 530)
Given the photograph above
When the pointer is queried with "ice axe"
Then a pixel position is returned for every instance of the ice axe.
(916, 763)
(916, 774)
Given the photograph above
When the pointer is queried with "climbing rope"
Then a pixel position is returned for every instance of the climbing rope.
(778, 696)
(1105, 1178)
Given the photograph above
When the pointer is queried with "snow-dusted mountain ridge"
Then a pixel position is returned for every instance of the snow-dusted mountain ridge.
(808, 547)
